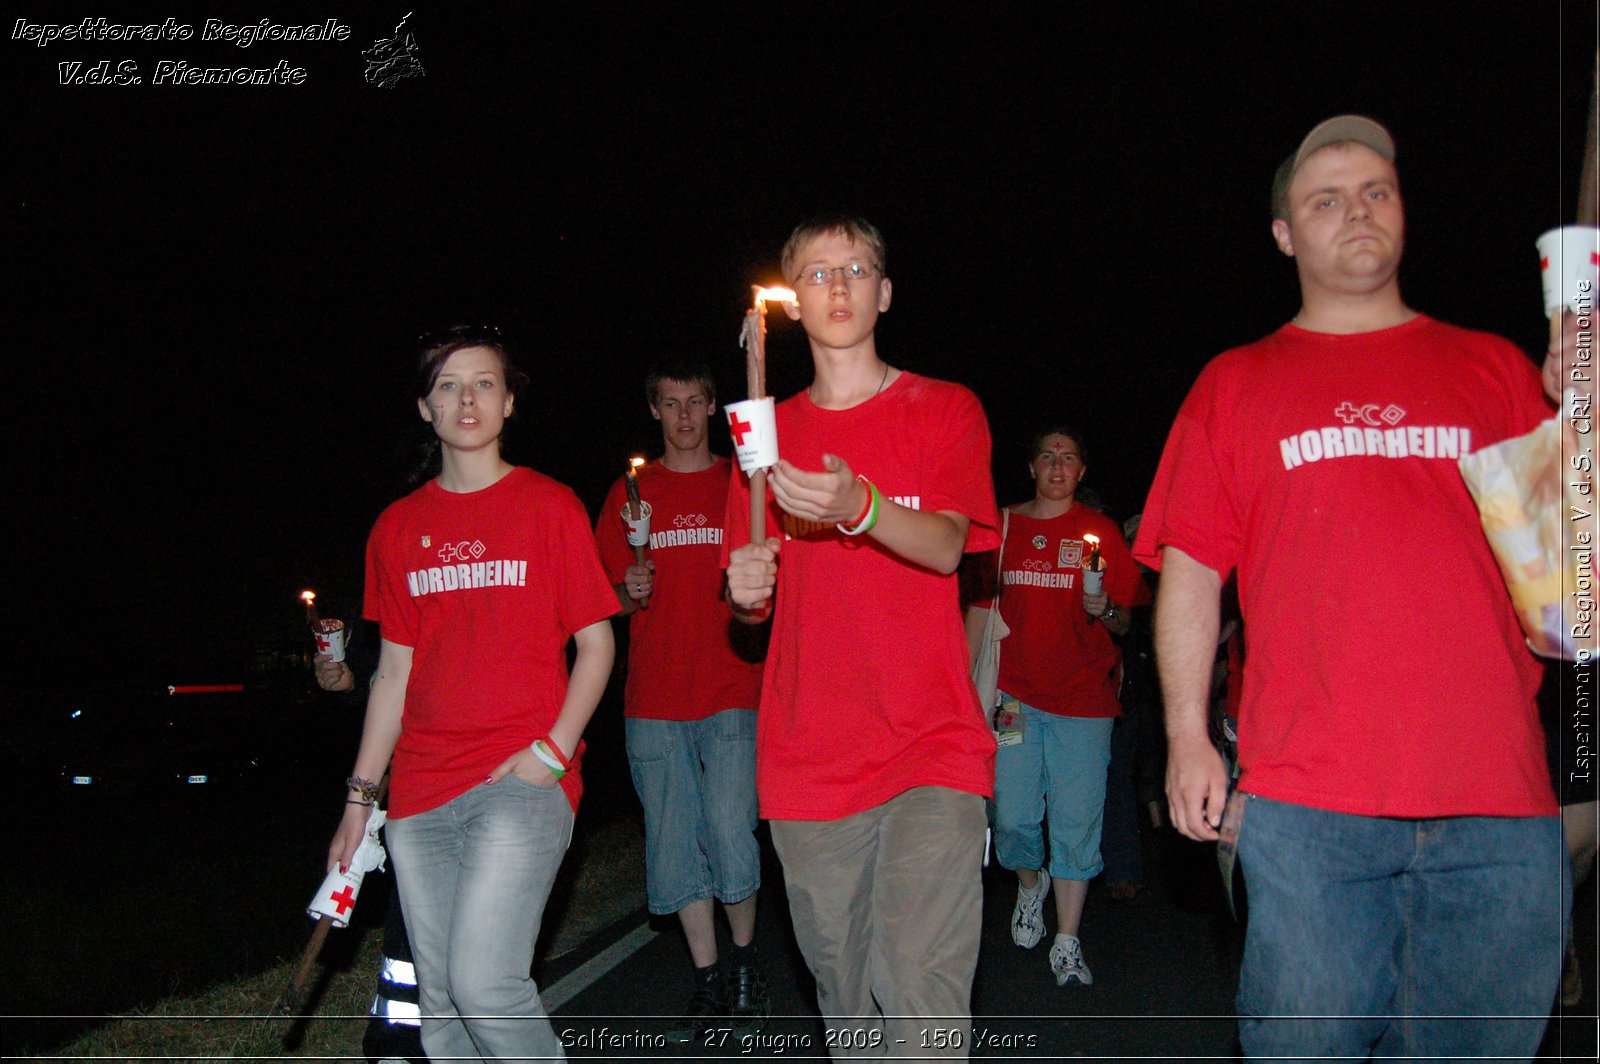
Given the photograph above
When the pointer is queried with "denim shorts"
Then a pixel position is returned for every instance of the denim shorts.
(697, 782)
(1057, 771)
(1417, 938)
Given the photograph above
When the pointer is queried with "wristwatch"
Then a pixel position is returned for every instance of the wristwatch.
(1110, 614)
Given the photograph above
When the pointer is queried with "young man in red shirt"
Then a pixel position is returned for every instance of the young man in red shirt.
(1394, 821)
(873, 757)
(690, 702)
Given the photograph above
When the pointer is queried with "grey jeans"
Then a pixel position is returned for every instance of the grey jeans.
(474, 875)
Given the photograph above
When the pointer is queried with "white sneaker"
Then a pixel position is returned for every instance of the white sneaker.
(1027, 916)
(1066, 960)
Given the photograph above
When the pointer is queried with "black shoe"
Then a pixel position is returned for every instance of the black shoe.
(706, 1009)
(748, 1002)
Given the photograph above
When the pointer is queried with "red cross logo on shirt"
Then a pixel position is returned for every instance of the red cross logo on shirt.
(345, 899)
(738, 429)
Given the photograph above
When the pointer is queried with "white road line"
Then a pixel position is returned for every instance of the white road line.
(584, 975)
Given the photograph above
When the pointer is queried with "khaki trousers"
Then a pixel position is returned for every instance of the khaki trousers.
(888, 907)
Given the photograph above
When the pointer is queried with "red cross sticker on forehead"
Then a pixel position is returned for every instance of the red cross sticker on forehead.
(738, 429)
(344, 899)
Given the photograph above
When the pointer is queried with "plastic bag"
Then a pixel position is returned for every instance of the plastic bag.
(1538, 512)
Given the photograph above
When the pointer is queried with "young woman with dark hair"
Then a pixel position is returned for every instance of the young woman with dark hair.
(477, 581)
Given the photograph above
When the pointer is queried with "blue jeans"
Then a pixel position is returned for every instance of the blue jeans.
(1373, 935)
(697, 782)
(1059, 770)
(474, 875)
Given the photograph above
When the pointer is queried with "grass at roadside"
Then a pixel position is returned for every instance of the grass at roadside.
(239, 1021)
(602, 881)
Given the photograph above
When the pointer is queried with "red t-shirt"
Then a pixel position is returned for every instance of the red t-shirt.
(1386, 675)
(680, 663)
(867, 692)
(486, 587)
(1058, 658)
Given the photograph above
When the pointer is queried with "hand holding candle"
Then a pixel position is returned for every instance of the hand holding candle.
(328, 633)
(636, 519)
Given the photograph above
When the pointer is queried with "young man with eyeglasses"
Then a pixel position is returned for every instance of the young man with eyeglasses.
(873, 757)
(690, 703)
(1394, 819)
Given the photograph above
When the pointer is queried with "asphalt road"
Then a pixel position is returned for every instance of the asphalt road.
(113, 905)
(1165, 969)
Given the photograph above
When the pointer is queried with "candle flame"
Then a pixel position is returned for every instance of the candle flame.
(308, 596)
(775, 295)
(1094, 563)
(635, 462)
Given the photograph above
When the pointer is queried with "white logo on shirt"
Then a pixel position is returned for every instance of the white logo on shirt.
(462, 551)
(1369, 414)
(500, 572)
(1071, 556)
(684, 537)
(1012, 577)
(1349, 441)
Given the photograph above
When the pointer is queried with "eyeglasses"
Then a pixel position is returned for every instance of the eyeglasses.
(821, 275)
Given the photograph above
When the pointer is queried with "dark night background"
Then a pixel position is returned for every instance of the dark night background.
(214, 292)
(215, 288)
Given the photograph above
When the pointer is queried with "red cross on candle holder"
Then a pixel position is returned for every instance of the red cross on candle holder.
(738, 428)
(344, 899)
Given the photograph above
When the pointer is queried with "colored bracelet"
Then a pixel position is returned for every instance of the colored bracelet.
(870, 518)
(364, 787)
(352, 801)
(550, 754)
(554, 750)
(866, 507)
(877, 509)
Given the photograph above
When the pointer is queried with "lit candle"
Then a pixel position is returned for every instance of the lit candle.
(636, 513)
(754, 341)
(309, 597)
(633, 486)
(1094, 551)
(754, 338)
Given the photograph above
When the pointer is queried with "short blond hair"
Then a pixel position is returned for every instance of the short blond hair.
(859, 230)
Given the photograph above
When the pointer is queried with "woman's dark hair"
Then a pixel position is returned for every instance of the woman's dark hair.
(1058, 430)
(434, 349)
